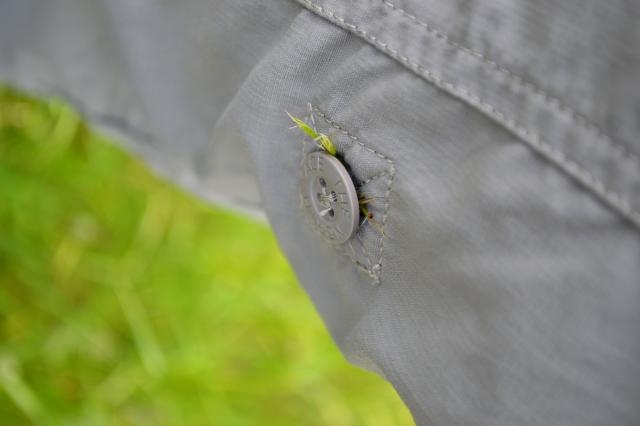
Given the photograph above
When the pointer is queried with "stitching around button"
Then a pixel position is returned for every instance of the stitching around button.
(615, 200)
(371, 266)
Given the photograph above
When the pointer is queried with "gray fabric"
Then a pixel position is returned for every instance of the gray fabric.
(503, 139)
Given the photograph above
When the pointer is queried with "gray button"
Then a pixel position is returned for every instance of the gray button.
(330, 197)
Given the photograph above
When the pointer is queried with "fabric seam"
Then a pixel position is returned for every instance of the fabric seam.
(391, 173)
(531, 138)
(375, 271)
(358, 264)
(552, 101)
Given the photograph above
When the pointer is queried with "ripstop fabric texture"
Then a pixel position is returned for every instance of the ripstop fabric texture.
(501, 139)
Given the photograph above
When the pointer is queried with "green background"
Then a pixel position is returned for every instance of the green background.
(125, 301)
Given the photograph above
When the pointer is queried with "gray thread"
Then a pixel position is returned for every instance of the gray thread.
(350, 254)
(552, 101)
(374, 270)
(371, 179)
(391, 173)
(611, 198)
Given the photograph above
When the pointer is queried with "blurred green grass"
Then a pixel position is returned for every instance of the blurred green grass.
(125, 301)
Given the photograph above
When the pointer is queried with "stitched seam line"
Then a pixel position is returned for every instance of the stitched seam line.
(350, 254)
(391, 173)
(361, 266)
(552, 101)
(375, 270)
(611, 198)
(371, 179)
